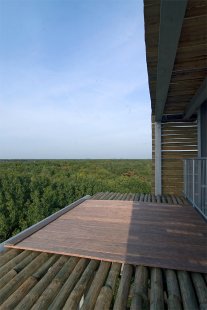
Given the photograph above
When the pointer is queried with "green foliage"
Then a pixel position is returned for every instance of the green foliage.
(32, 190)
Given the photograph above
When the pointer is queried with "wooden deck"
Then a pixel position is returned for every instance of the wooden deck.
(30, 279)
(138, 233)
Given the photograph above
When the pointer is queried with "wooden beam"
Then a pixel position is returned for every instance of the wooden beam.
(171, 19)
(197, 100)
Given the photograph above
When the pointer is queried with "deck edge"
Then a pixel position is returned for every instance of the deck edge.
(32, 229)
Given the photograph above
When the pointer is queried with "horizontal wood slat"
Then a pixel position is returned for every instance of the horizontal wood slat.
(178, 142)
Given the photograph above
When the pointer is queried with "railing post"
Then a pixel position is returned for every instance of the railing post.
(185, 178)
(193, 183)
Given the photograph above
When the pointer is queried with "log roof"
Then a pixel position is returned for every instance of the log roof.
(34, 280)
(190, 65)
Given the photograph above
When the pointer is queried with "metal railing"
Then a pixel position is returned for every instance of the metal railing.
(195, 183)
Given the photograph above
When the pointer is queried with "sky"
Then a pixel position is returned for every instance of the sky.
(73, 80)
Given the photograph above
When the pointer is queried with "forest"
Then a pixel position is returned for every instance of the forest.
(31, 190)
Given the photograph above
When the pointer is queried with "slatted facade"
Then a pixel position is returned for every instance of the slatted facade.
(178, 141)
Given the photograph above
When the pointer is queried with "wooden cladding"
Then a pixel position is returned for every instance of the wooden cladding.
(178, 141)
(189, 68)
(190, 63)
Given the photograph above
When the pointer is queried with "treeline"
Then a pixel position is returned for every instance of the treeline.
(32, 190)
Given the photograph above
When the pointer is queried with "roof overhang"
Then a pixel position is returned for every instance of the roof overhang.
(171, 20)
(176, 50)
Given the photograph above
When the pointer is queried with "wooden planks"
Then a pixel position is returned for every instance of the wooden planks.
(157, 235)
(149, 287)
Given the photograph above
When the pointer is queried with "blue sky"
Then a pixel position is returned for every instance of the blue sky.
(73, 79)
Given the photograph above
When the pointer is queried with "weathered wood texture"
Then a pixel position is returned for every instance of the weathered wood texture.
(48, 281)
(158, 235)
